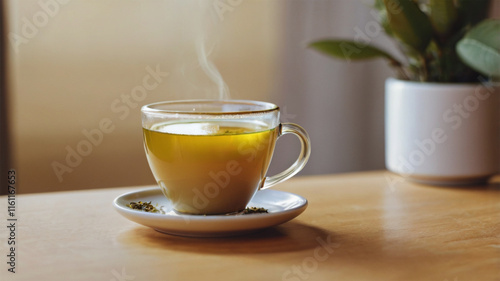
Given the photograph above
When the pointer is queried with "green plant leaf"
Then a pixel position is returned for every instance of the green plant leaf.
(443, 15)
(382, 16)
(409, 23)
(480, 48)
(349, 50)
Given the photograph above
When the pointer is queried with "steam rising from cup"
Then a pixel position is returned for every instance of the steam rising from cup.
(210, 69)
(200, 32)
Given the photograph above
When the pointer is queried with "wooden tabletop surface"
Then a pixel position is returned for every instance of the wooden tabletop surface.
(358, 226)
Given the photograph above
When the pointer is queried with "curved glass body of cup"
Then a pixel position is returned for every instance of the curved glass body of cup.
(211, 156)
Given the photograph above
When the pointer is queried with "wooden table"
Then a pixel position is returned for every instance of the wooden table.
(359, 226)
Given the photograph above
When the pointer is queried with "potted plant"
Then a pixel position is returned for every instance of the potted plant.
(442, 110)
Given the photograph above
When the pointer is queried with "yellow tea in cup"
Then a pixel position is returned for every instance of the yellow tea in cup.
(209, 167)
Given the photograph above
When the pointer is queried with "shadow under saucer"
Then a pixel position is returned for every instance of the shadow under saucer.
(288, 237)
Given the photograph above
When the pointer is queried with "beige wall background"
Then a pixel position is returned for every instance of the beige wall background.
(72, 60)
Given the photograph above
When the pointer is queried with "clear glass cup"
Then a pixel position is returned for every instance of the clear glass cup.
(211, 156)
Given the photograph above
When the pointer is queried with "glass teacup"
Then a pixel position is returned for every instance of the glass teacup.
(211, 156)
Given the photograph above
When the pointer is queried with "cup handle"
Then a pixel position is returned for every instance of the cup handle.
(305, 152)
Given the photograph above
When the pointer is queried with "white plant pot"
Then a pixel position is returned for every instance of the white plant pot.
(442, 133)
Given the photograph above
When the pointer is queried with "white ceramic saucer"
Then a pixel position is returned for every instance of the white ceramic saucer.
(282, 207)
